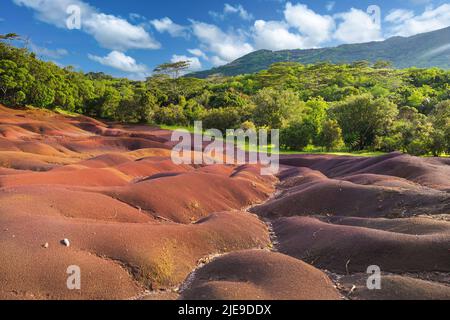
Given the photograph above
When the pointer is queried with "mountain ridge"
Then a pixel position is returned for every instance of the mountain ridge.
(425, 50)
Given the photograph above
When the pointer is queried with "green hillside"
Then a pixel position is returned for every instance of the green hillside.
(423, 51)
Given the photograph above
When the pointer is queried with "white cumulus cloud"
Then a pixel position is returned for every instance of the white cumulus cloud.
(409, 24)
(110, 31)
(226, 46)
(275, 35)
(120, 61)
(302, 28)
(357, 26)
(229, 9)
(217, 61)
(194, 62)
(238, 9)
(330, 5)
(198, 53)
(315, 28)
(399, 15)
(167, 25)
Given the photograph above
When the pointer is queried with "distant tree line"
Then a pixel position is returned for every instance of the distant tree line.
(353, 106)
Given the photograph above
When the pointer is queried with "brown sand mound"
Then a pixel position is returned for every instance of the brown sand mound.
(83, 177)
(106, 160)
(150, 152)
(260, 275)
(35, 273)
(394, 287)
(14, 132)
(104, 170)
(178, 198)
(381, 181)
(117, 259)
(428, 172)
(411, 226)
(40, 148)
(29, 161)
(310, 193)
(151, 166)
(110, 144)
(53, 129)
(37, 200)
(343, 249)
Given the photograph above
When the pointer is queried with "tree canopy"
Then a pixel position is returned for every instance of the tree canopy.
(366, 107)
(174, 69)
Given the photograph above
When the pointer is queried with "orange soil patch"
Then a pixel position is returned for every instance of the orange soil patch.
(111, 190)
(136, 221)
(177, 197)
(32, 162)
(82, 177)
(118, 260)
(38, 201)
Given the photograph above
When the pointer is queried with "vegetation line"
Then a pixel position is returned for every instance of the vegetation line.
(354, 107)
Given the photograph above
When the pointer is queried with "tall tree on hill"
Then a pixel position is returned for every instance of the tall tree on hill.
(175, 69)
(9, 36)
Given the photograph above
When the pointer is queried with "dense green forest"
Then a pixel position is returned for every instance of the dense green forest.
(358, 106)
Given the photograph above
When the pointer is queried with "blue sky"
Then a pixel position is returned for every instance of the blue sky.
(129, 38)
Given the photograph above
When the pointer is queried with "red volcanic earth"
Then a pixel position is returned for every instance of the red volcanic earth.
(142, 227)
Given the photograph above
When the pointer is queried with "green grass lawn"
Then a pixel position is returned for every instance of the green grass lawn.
(338, 153)
(309, 150)
(316, 150)
(173, 128)
(66, 113)
(56, 110)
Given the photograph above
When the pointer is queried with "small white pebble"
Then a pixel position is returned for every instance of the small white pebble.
(66, 242)
(352, 290)
(45, 246)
